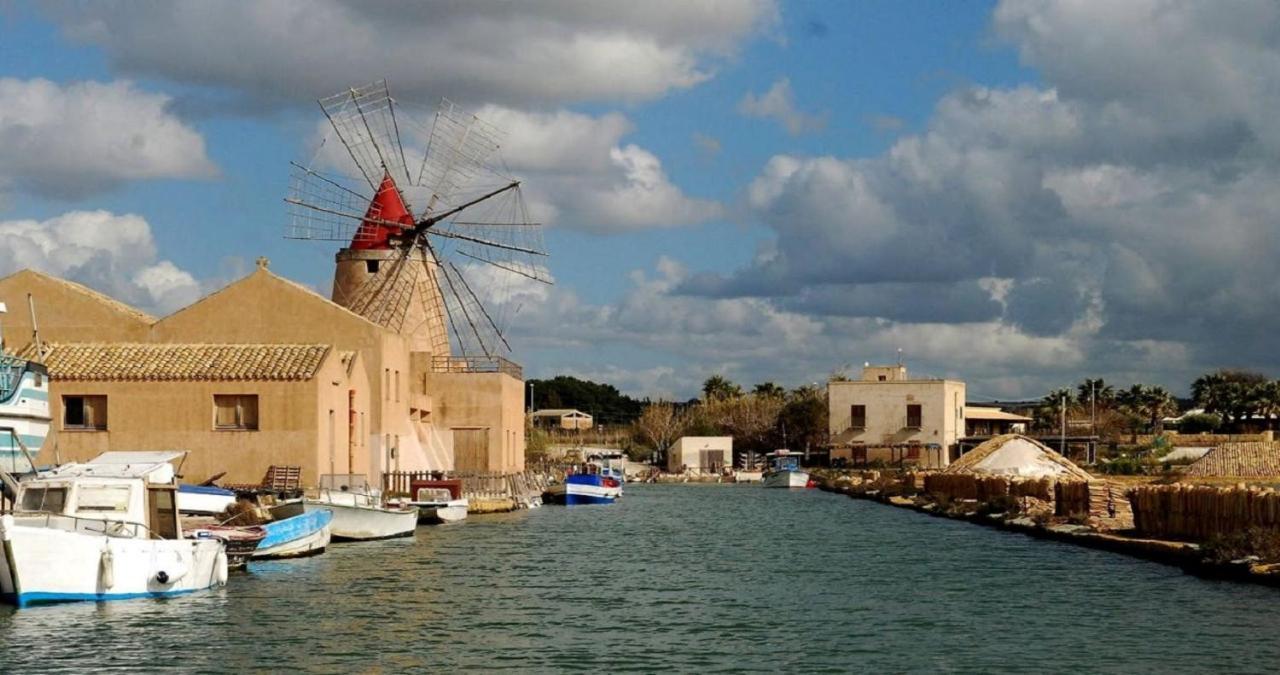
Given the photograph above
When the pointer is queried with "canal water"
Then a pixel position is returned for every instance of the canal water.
(683, 577)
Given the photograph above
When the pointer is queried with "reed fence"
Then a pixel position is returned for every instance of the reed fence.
(1198, 512)
(1097, 502)
(986, 488)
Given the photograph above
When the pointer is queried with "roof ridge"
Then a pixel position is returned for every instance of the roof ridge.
(97, 295)
(281, 279)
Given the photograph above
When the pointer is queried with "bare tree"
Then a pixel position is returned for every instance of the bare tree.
(659, 426)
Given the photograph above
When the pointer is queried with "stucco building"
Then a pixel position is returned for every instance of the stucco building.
(406, 402)
(889, 417)
(700, 454)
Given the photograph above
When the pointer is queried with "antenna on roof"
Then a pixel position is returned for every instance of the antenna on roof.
(35, 328)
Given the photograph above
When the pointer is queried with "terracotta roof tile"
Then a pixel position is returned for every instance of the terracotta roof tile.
(1239, 460)
(158, 361)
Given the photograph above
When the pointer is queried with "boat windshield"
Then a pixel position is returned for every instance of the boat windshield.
(11, 369)
(41, 498)
(786, 463)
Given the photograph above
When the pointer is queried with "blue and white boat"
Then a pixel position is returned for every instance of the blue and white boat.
(305, 534)
(24, 412)
(785, 472)
(107, 529)
(204, 500)
(598, 482)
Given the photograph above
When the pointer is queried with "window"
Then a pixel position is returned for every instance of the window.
(914, 416)
(103, 498)
(371, 266)
(857, 417)
(397, 386)
(235, 412)
(51, 499)
(881, 378)
(84, 412)
(386, 384)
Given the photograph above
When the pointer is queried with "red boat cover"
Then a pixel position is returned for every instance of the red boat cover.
(454, 486)
(387, 206)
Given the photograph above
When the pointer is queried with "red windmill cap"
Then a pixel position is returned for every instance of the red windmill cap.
(386, 207)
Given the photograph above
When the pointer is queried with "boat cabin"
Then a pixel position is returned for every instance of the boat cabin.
(784, 460)
(610, 464)
(124, 494)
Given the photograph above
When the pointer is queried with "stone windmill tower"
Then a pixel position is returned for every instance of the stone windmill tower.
(407, 267)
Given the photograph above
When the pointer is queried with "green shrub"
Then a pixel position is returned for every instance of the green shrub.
(1199, 423)
(1259, 541)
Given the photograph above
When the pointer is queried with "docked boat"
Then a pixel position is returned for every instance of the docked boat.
(106, 529)
(24, 411)
(438, 501)
(599, 481)
(359, 513)
(785, 472)
(295, 536)
(239, 541)
(204, 500)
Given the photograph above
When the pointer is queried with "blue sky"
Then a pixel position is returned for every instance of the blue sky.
(969, 182)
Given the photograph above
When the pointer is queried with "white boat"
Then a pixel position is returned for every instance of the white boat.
(785, 472)
(106, 529)
(24, 411)
(358, 511)
(437, 506)
(295, 536)
(204, 500)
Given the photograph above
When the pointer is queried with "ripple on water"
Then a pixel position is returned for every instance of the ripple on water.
(707, 578)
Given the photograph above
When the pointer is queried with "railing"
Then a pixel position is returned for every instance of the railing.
(122, 529)
(476, 364)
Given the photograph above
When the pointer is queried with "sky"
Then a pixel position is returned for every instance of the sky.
(1019, 194)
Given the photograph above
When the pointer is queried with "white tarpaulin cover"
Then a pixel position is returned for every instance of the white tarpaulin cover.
(1020, 457)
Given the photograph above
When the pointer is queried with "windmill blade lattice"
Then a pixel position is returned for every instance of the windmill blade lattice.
(471, 214)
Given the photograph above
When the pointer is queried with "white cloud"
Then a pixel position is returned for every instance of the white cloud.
(576, 170)
(74, 140)
(524, 53)
(779, 105)
(114, 254)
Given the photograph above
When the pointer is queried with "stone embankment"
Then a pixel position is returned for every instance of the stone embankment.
(1096, 514)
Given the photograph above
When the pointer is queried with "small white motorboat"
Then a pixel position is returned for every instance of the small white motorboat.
(785, 472)
(204, 500)
(106, 529)
(438, 501)
(358, 511)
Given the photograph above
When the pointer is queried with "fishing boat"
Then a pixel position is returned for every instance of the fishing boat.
(239, 541)
(204, 500)
(24, 411)
(785, 472)
(295, 536)
(438, 501)
(359, 513)
(599, 481)
(106, 529)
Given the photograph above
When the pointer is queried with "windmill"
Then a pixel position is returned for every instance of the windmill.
(425, 209)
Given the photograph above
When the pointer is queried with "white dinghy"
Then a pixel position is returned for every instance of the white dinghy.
(358, 510)
(107, 529)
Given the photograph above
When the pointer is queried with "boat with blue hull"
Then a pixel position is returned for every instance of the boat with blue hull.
(598, 482)
(305, 534)
(107, 529)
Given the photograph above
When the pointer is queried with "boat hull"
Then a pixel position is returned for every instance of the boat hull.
(573, 494)
(47, 564)
(299, 536)
(437, 513)
(366, 523)
(787, 479)
(207, 501)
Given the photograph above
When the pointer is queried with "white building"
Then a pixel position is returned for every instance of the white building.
(889, 417)
(700, 454)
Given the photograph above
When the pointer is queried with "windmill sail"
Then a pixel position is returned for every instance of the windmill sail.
(420, 261)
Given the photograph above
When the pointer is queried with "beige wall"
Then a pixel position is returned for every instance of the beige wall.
(687, 452)
(493, 401)
(942, 416)
(179, 415)
(64, 313)
(264, 308)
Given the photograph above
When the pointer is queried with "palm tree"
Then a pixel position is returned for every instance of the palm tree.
(1268, 402)
(1096, 390)
(1234, 394)
(1150, 403)
(719, 388)
(769, 389)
